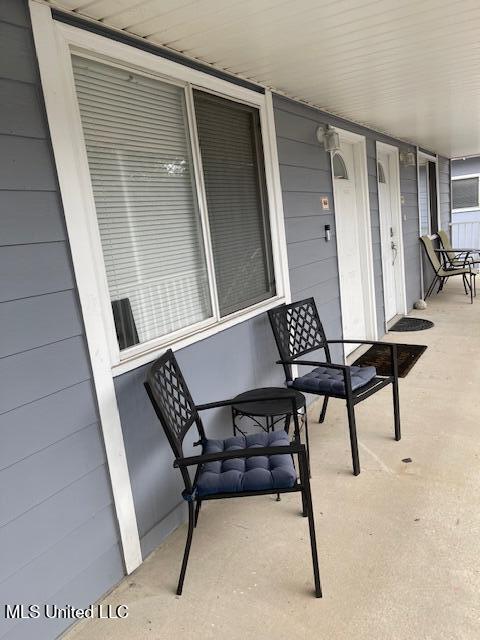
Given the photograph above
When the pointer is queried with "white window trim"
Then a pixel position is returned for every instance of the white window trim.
(54, 42)
(465, 177)
(74, 40)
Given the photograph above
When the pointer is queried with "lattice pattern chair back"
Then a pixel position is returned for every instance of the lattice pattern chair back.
(172, 401)
(297, 330)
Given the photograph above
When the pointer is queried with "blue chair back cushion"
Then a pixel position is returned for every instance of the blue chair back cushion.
(323, 380)
(247, 474)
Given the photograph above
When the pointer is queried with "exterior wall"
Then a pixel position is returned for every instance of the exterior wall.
(58, 534)
(306, 177)
(411, 243)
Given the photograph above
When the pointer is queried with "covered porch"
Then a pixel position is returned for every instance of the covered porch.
(397, 545)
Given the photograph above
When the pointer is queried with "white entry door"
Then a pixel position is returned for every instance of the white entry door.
(347, 221)
(389, 229)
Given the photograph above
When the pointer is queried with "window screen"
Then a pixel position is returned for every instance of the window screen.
(234, 177)
(465, 193)
(140, 161)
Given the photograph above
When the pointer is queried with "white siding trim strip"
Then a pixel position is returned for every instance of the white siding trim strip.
(73, 195)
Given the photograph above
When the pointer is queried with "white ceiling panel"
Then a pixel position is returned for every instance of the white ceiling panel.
(410, 68)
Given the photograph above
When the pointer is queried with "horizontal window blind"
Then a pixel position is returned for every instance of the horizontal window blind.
(141, 169)
(234, 177)
(465, 193)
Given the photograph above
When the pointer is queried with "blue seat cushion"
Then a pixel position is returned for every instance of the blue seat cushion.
(323, 380)
(247, 474)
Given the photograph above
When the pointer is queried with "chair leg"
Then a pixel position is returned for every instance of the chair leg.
(324, 410)
(303, 480)
(191, 524)
(307, 499)
(464, 278)
(440, 286)
(307, 440)
(353, 438)
(431, 287)
(396, 409)
(198, 506)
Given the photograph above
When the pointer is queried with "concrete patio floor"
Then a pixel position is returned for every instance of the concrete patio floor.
(398, 545)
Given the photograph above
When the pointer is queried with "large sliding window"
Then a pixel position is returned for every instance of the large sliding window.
(179, 186)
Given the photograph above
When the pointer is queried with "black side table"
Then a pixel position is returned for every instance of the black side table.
(272, 412)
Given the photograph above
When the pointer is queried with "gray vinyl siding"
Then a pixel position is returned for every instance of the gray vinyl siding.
(306, 178)
(410, 228)
(444, 178)
(58, 531)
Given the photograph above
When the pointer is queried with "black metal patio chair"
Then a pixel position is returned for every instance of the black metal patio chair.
(298, 331)
(252, 465)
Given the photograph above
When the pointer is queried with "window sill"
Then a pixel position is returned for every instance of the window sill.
(153, 351)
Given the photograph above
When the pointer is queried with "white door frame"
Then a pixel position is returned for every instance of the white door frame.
(430, 158)
(365, 229)
(396, 203)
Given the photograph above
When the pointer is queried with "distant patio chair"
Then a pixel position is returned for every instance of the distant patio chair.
(444, 269)
(298, 331)
(251, 465)
(458, 257)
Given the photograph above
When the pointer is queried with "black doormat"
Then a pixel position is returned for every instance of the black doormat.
(378, 356)
(412, 324)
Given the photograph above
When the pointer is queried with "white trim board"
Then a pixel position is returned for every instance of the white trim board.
(396, 201)
(46, 43)
(74, 40)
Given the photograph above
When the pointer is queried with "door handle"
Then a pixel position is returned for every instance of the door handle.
(394, 251)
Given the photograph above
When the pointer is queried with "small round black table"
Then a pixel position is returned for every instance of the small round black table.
(272, 411)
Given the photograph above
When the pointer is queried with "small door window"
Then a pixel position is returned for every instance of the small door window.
(381, 173)
(339, 167)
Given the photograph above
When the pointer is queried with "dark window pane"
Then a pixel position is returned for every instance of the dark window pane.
(465, 193)
(232, 161)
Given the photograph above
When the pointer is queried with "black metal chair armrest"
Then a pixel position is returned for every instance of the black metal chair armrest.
(354, 341)
(232, 401)
(459, 251)
(392, 346)
(239, 453)
(313, 363)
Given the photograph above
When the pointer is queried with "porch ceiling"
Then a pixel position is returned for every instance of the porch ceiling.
(407, 68)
